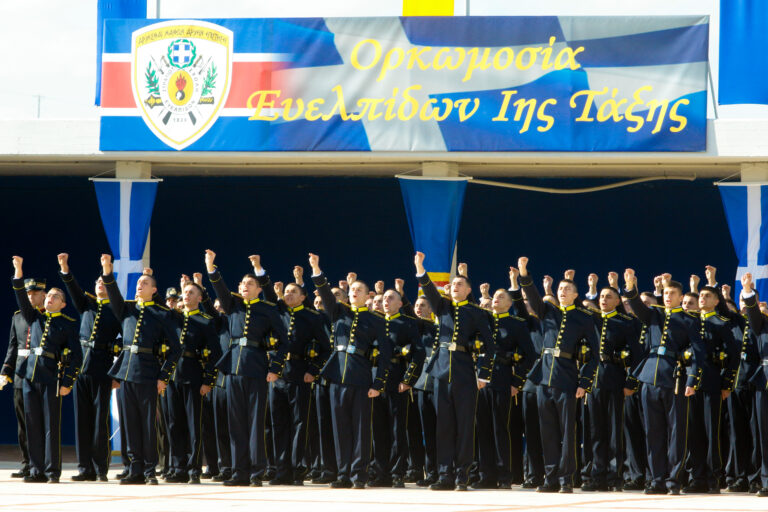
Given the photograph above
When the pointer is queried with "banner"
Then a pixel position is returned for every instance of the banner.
(743, 56)
(113, 9)
(406, 84)
(744, 207)
(433, 207)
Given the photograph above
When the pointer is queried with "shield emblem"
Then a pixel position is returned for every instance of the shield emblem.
(180, 77)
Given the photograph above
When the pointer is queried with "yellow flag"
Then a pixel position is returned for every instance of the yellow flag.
(427, 7)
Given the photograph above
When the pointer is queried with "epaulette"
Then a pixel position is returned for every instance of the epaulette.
(376, 313)
(477, 306)
(206, 316)
(90, 295)
(409, 317)
(585, 310)
(517, 317)
(268, 303)
(593, 310)
(692, 315)
(131, 301)
(236, 295)
(625, 316)
(723, 318)
(68, 317)
(660, 306)
(313, 311)
(162, 307)
(17, 312)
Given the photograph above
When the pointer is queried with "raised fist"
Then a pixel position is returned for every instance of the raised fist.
(63, 259)
(462, 269)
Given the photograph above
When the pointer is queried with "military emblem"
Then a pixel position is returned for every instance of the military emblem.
(180, 74)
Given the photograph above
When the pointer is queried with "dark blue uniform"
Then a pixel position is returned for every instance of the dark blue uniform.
(351, 374)
(99, 332)
(718, 372)
(246, 364)
(455, 381)
(289, 396)
(390, 409)
(425, 399)
(565, 331)
(200, 350)
(507, 367)
(620, 350)
(52, 342)
(147, 328)
(669, 333)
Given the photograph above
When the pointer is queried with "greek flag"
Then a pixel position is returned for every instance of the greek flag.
(744, 206)
(126, 210)
(434, 207)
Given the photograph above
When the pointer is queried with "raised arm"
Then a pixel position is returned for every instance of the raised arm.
(756, 318)
(264, 281)
(517, 294)
(116, 301)
(220, 287)
(428, 287)
(298, 278)
(27, 311)
(526, 281)
(330, 305)
(79, 299)
(642, 311)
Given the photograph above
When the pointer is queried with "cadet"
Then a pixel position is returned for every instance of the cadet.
(192, 379)
(251, 323)
(18, 351)
(220, 409)
(508, 367)
(453, 369)
(99, 332)
(619, 350)
(351, 374)
(670, 331)
(49, 374)
(308, 347)
(148, 332)
(390, 409)
(566, 328)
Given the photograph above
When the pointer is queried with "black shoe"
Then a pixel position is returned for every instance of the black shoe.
(763, 492)
(505, 485)
(696, 488)
(35, 479)
(566, 489)
(461, 487)
(152, 480)
(122, 474)
(530, 484)
(754, 487)
(194, 479)
(442, 485)
(280, 481)
(380, 482)
(53, 479)
(84, 477)
(313, 475)
(102, 478)
(674, 491)
(341, 483)
(484, 483)
(358, 485)
(548, 488)
(298, 482)
(323, 479)
(221, 477)
(595, 487)
(397, 483)
(269, 474)
(740, 487)
(207, 475)
(412, 476)
(634, 485)
(714, 490)
(425, 482)
(133, 480)
(236, 482)
(256, 481)
(20, 473)
(655, 490)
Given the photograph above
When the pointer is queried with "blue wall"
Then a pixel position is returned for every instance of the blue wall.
(359, 224)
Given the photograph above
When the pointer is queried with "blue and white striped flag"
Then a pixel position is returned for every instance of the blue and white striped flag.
(126, 210)
(745, 205)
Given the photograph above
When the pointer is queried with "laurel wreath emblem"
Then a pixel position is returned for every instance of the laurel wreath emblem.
(210, 80)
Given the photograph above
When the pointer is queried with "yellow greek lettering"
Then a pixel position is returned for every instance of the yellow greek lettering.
(547, 54)
(312, 109)
(673, 116)
(542, 116)
(508, 54)
(612, 106)
(629, 113)
(473, 64)
(261, 104)
(354, 59)
(531, 58)
(587, 103)
(286, 104)
(462, 104)
(390, 113)
(570, 55)
(389, 64)
(408, 101)
(502, 115)
(338, 106)
(449, 61)
(414, 57)
(662, 107)
(530, 106)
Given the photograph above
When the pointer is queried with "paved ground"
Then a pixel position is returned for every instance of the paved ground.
(111, 497)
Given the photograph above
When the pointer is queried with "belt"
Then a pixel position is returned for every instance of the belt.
(23, 352)
(556, 352)
(135, 349)
(453, 347)
(245, 342)
(93, 345)
(611, 358)
(505, 360)
(39, 351)
(662, 351)
(291, 356)
(189, 353)
(349, 349)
